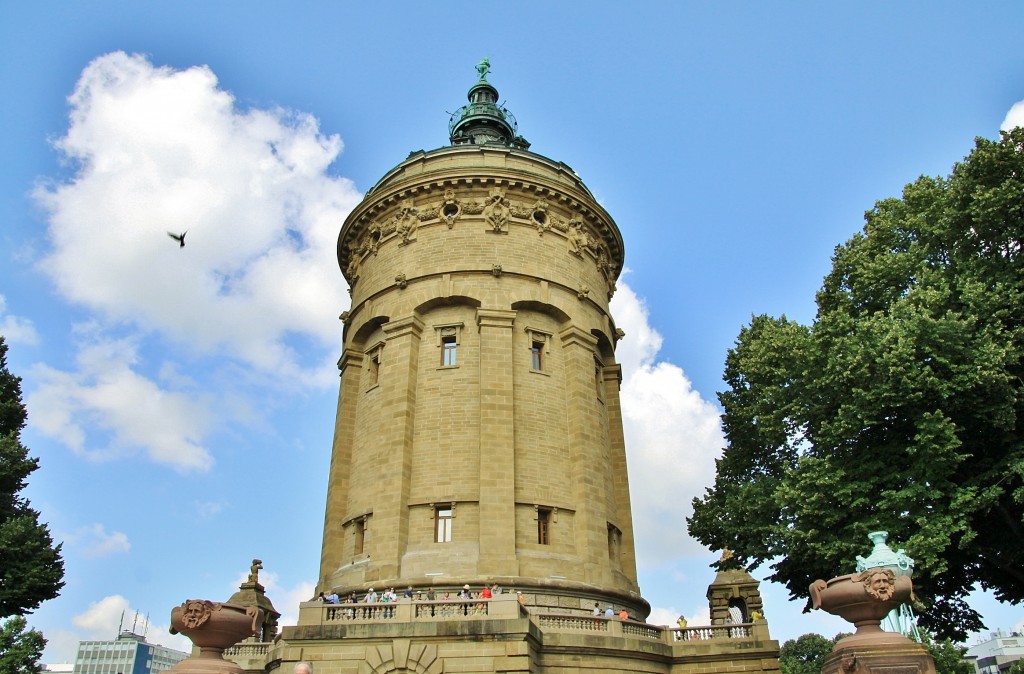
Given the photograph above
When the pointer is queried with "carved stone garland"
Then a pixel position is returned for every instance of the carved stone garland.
(498, 211)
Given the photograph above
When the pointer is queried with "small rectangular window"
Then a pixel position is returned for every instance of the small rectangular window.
(359, 536)
(375, 368)
(448, 349)
(443, 525)
(544, 526)
(537, 356)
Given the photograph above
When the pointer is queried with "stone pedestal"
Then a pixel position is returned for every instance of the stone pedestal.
(899, 656)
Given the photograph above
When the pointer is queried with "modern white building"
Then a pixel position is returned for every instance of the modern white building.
(130, 653)
(998, 653)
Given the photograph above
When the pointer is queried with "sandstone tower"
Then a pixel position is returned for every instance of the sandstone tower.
(479, 435)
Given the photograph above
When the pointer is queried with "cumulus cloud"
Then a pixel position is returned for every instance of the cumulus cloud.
(95, 541)
(673, 437)
(102, 619)
(698, 616)
(15, 329)
(105, 409)
(286, 599)
(1014, 118)
(208, 509)
(156, 150)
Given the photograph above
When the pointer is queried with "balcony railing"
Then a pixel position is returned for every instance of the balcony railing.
(507, 607)
(574, 623)
(249, 650)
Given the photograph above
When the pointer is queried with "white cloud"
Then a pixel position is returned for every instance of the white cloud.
(208, 509)
(673, 437)
(1014, 118)
(96, 542)
(105, 409)
(698, 616)
(156, 150)
(15, 329)
(285, 599)
(101, 620)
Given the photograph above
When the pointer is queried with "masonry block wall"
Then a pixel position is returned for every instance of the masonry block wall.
(479, 433)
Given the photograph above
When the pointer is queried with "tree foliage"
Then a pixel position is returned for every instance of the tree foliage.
(31, 568)
(20, 649)
(949, 657)
(805, 655)
(899, 408)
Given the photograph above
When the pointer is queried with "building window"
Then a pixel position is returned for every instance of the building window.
(448, 346)
(538, 342)
(359, 536)
(443, 525)
(544, 526)
(599, 379)
(374, 358)
(449, 336)
(614, 543)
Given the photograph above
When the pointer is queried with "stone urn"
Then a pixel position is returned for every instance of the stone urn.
(213, 626)
(863, 599)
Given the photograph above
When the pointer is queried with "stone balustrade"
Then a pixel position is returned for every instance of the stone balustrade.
(507, 607)
(247, 650)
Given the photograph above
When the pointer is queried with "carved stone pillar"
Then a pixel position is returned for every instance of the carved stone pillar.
(497, 444)
(350, 364)
(398, 370)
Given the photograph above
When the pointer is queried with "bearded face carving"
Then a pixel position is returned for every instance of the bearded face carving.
(879, 583)
(196, 612)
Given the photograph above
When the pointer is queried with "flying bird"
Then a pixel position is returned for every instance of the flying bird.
(180, 238)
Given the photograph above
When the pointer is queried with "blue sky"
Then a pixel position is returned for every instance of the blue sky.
(182, 401)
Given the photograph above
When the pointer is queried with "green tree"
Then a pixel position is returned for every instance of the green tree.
(805, 655)
(899, 408)
(31, 568)
(949, 657)
(20, 650)
(1017, 668)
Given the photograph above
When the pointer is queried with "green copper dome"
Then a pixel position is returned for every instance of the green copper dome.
(484, 121)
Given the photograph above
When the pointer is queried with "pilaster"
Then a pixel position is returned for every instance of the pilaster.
(350, 364)
(584, 427)
(497, 444)
(398, 371)
(622, 513)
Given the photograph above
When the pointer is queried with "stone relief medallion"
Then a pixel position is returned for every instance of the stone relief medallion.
(406, 221)
(196, 612)
(579, 239)
(449, 210)
(496, 212)
(879, 583)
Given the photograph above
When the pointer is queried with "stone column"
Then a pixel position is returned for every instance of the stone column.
(350, 364)
(497, 445)
(622, 513)
(585, 446)
(398, 370)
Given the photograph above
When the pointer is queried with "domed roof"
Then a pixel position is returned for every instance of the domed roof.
(484, 120)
